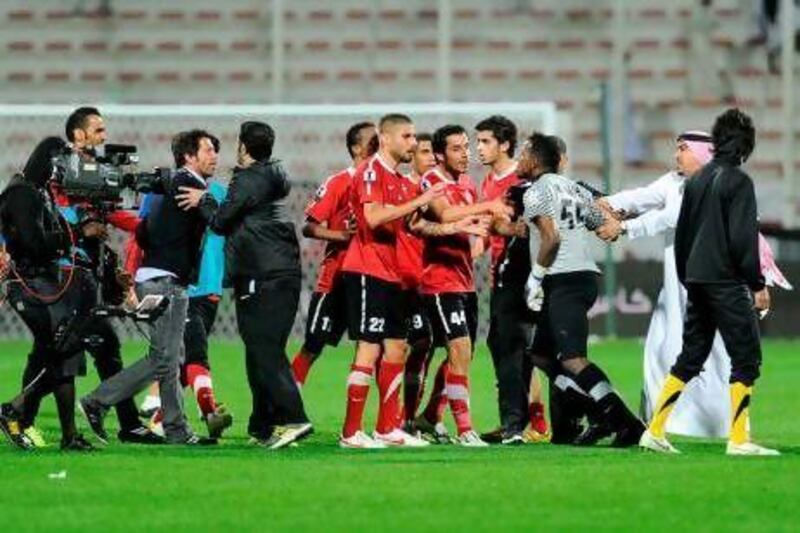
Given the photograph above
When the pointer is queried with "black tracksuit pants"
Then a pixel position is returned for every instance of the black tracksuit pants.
(729, 308)
(265, 312)
(510, 330)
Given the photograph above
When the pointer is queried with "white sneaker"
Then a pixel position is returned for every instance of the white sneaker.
(360, 440)
(650, 442)
(470, 439)
(749, 448)
(398, 437)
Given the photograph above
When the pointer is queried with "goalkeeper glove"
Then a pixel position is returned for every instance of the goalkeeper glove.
(534, 294)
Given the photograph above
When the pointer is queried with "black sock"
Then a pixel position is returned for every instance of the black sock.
(611, 410)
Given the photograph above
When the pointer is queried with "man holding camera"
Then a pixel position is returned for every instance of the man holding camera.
(170, 238)
(51, 295)
(86, 132)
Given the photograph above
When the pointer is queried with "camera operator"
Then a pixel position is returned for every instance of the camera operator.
(85, 129)
(46, 294)
(170, 238)
(262, 263)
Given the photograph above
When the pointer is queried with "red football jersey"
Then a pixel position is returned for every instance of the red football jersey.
(494, 187)
(409, 250)
(373, 252)
(331, 206)
(448, 260)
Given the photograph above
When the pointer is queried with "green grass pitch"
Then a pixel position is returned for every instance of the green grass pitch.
(319, 486)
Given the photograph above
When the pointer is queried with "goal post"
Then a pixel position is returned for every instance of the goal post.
(310, 141)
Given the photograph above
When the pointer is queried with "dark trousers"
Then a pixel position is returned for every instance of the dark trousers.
(729, 308)
(265, 312)
(510, 331)
(199, 321)
(104, 347)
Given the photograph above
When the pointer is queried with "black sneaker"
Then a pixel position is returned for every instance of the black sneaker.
(512, 438)
(494, 436)
(11, 428)
(77, 444)
(592, 435)
(94, 414)
(629, 435)
(139, 435)
(196, 440)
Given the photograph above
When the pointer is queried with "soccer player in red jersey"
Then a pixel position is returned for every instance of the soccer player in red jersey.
(380, 198)
(328, 219)
(410, 246)
(511, 322)
(447, 282)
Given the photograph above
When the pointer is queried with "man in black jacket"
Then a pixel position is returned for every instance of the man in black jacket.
(170, 238)
(262, 264)
(716, 254)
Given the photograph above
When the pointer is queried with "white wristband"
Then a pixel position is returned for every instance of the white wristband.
(538, 271)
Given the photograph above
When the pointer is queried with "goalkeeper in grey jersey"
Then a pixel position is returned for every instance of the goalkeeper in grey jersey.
(562, 287)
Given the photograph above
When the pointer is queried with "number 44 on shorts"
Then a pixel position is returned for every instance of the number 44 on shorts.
(458, 318)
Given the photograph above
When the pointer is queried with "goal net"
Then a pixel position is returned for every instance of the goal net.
(309, 141)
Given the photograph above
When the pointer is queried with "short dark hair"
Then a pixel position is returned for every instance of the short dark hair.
(562, 145)
(188, 143)
(77, 120)
(503, 129)
(439, 138)
(734, 134)
(258, 138)
(544, 150)
(424, 137)
(353, 136)
(393, 118)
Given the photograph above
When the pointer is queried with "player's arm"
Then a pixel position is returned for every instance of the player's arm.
(508, 228)
(314, 230)
(378, 214)
(743, 225)
(445, 212)
(470, 225)
(549, 242)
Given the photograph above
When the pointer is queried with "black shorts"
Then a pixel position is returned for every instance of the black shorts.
(562, 329)
(327, 318)
(200, 317)
(418, 324)
(453, 315)
(375, 310)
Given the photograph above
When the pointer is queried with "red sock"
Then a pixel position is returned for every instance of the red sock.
(199, 379)
(390, 379)
(437, 403)
(536, 416)
(357, 390)
(457, 388)
(301, 364)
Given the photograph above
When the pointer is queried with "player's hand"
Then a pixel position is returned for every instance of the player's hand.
(131, 300)
(605, 206)
(610, 230)
(124, 280)
(478, 226)
(95, 230)
(534, 295)
(189, 197)
(762, 302)
(500, 209)
(5, 265)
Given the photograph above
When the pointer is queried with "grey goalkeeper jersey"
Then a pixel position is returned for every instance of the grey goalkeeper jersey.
(572, 209)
